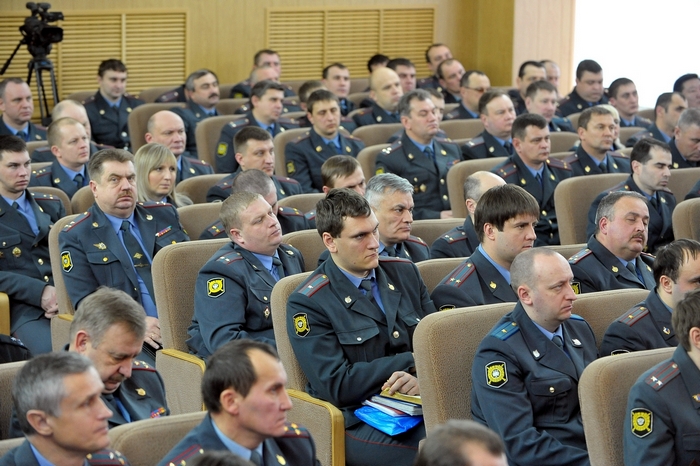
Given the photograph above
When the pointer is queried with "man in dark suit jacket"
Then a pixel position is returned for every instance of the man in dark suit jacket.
(351, 326)
(386, 91)
(651, 171)
(614, 257)
(25, 220)
(529, 72)
(243, 390)
(242, 272)
(506, 218)
(17, 108)
(588, 91)
(202, 89)
(69, 427)
(498, 114)
(471, 87)
(421, 158)
(684, 145)
(70, 145)
(110, 107)
(541, 98)
(526, 371)
(114, 242)
(434, 55)
(667, 111)
(623, 96)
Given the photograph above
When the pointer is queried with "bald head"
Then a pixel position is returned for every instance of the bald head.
(263, 73)
(167, 128)
(385, 88)
(476, 185)
(72, 109)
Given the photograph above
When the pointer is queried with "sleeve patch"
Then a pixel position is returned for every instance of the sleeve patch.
(642, 422)
(216, 287)
(301, 324)
(66, 261)
(496, 374)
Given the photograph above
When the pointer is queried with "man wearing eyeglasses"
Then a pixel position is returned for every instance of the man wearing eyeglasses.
(472, 86)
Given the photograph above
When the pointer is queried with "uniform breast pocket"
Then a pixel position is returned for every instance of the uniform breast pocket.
(691, 442)
(551, 398)
(410, 320)
(258, 315)
(360, 345)
(107, 268)
(169, 236)
(9, 249)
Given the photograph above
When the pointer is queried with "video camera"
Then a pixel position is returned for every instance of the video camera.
(38, 34)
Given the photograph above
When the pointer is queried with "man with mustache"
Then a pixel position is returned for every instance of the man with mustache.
(526, 370)
(109, 327)
(614, 257)
(233, 290)
(202, 91)
(506, 218)
(114, 242)
(70, 145)
(651, 170)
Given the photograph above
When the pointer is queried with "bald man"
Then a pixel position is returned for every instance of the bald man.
(167, 128)
(386, 92)
(463, 240)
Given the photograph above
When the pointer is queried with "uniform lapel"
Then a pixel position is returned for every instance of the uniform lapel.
(390, 296)
(13, 217)
(492, 278)
(43, 221)
(416, 156)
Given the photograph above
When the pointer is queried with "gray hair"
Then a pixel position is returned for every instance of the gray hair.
(386, 183)
(689, 117)
(104, 308)
(39, 384)
(62, 106)
(606, 208)
(522, 270)
(189, 84)
(404, 107)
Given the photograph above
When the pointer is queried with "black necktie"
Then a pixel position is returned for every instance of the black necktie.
(539, 179)
(79, 180)
(654, 201)
(508, 147)
(16, 206)
(22, 135)
(278, 265)
(631, 266)
(604, 165)
(556, 339)
(138, 257)
(428, 151)
(366, 285)
(271, 129)
(390, 251)
(255, 458)
(335, 147)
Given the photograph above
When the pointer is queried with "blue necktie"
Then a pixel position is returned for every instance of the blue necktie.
(79, 180)
(428, 151)
(23, 136)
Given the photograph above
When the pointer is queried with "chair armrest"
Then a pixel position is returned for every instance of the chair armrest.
(4, 314)
(182, 375)
(60, 331)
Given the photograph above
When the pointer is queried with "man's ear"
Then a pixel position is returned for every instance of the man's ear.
(524, 295)
(81, 341)
(39, 421)
(329, 242)
(230, 401)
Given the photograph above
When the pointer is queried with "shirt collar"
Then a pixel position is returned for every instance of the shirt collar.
(549, 334)
(265, 260)
(15, 131)
(502, 141)
(474, 115)
(357, 280)
(211, 112)
(22, 200)
(419, 145)
(335, 141)
(234, 447)
(72, 173)
(502, 270)
(116, 222)
(535, 172)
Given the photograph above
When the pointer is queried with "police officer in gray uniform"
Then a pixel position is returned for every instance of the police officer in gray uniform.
(498, 114)
(614, 257)
(648, 324)
(17, 108)
(386, 91)
(506, 218)
(25, 220)
(242, 272)
(110, 107)
(202, 89)
(526, 370)
(421, 158)
(667, 111)
(588, 90)
(663, 404)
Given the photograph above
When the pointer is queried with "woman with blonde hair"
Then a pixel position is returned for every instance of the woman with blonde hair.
(156, 172)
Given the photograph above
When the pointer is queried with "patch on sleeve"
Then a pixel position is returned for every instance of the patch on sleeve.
(301, 324)
(642, 422)
(215, 287)
(446, 307)
(290, 168)
(379, 171)
(66, 261)
(221, 150)
(576, 286)
(496, 374)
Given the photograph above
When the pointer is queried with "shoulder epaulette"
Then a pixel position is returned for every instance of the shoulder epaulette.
(460, 274)
(289, 121)
(89, 99)
(477, 141)
(44, 197)
(225, 184)
(106, 456)
(558, 163)
(579, 255)
(196, 161)
(142, 366)
(45, 149)
(577, 317)
(313, 284)
(242, 109)
(392, 148)
(648, 255)
(634, 316)
(216, 229)
(238, 123)
(151, 204)
(286, 179)
(394, 259)
(619, 187)
(76, 221)
(364, 111)
(619, 155)
(416, 239)
(454, 235)
(310, 215)
(306, 135)
(230, 258)
(290, 212)
(295, 430)
(505, 330)
(505, 170)
(168, 97)
(661, 376)
(444, 140)
(191, 451)
(573, 158)
(352, 138)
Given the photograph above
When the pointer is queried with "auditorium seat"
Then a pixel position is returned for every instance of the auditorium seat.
(207, 134)
(309, 243)
(196, 187)
(458, 174)
(368, 158)
(138, 121)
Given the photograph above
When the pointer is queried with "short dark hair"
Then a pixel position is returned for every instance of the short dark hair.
(501, 203)
(261, 87)
(218, 458)
(189, 83)
(680, 82)
(338, 205)
(376, 59)
(338, 166)
(641, 152)
(307, 88)
(586, 115)
(664, 100)
(487, 97)
(445, 62)
(396, 62)
(320, 95)
(671, 257)
(521, 70)
(231, 367)
(686, 316)
(106, 155)
(259, 53)
(111, 64)
(6, 81)
(615, 86)
(464, 81)
(521, 123)
(11, 144)
(431, 47)
(247, 133)
(404, 107)
(541, 85)
(332, 65)
(445, 445)
(591, 66)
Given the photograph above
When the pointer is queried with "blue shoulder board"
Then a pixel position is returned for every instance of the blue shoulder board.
(505, 330)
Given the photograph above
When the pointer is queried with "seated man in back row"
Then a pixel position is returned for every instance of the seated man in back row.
(351, 325)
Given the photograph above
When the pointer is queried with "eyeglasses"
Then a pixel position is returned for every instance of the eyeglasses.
(480, 90)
